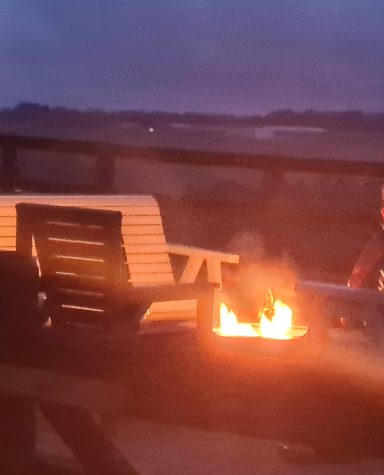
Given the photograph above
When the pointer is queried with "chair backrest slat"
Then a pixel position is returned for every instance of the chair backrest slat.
(80, 249)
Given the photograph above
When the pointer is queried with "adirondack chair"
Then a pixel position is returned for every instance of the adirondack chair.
(147, 251)
(84, 271)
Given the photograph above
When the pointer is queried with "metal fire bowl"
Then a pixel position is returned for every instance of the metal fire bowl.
(263, 347)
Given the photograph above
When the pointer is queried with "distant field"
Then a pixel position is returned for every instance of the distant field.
(348, 145)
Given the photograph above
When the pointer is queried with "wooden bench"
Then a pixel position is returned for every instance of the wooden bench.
(144, 241)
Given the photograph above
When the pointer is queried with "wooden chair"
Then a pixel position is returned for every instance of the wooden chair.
(83, 269)
(147, 251)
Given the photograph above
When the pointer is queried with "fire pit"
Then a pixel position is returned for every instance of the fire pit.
(273, 333)
(279, 331)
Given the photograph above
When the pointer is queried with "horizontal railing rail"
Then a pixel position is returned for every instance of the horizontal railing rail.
(105, 154)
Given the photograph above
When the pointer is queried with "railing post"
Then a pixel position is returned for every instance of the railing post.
(105, 171)
(9, 171)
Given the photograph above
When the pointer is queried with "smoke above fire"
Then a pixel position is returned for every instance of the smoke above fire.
(248, 284)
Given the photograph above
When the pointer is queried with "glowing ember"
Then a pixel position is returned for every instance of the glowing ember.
(275, 321)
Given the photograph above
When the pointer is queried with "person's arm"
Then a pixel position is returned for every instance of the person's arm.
(367, 260)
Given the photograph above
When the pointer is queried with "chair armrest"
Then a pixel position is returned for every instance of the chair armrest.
(196, 258)
(191, 251)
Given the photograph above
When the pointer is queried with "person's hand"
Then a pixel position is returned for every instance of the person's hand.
(357, 278)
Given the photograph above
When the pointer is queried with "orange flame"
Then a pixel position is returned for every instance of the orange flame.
(229, 325)
(276, 321)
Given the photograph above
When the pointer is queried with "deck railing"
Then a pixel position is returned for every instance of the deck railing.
(105, 155)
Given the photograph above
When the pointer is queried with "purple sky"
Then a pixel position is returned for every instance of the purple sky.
(232, 56)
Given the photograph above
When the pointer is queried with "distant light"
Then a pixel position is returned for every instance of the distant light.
(151, 129)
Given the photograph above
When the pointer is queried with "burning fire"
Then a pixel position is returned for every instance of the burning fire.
(229, 326)
(275, 321)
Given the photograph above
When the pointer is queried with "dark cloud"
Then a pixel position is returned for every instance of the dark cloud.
(241, 56)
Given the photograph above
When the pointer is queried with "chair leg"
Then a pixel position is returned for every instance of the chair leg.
(205, 309)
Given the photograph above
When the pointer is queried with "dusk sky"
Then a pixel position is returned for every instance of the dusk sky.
(231, 56)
